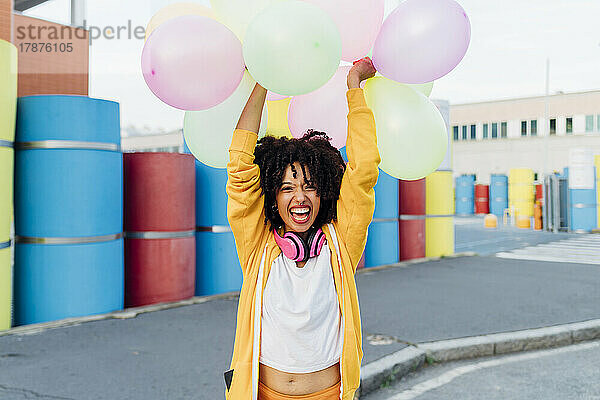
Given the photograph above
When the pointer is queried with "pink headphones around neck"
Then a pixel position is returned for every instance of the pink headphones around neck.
(296, 249)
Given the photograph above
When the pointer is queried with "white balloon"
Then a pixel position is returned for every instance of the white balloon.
(208, 133)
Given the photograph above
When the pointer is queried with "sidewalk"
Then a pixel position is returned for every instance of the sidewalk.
(180, 353)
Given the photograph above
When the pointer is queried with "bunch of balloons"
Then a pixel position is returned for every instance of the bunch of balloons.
(207, 60)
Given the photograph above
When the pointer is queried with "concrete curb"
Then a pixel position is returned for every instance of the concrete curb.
(399, 364)
(120, 314)
(134, 312)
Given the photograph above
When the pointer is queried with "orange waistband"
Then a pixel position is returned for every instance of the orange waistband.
(330, 393)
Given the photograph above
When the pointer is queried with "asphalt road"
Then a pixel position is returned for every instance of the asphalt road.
(471, 235)
(571, 372)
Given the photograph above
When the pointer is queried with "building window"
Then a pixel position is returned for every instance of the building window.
(455, 132)
(503, 129)
(589, 123)
(523, 128)
(464, 132)
(553, 126)
(534, 127)
(494, 130)
(569, 125)
(485, 131)
(473, 132)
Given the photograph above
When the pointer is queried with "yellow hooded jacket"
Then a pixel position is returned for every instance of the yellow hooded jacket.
(257, 249)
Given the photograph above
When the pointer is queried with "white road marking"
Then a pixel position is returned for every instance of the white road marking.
(449, 376)
(581, 250)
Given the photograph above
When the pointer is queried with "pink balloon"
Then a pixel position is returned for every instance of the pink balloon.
(422, 40)
(325, 110)
(358, 21)
(272, 96)
(192, 62)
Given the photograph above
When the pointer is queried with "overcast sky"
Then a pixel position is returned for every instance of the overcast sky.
(510, 42)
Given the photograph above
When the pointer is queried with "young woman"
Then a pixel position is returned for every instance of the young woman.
(300, 219)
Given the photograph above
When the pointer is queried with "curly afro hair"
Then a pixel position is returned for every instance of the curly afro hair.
(313, 152)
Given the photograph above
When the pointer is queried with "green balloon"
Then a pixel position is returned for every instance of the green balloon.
(208, 133)
(411, 133)
(292, 48)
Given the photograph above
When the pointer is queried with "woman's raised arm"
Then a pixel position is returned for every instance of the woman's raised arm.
(245, 202)
(356, 204)
(250, 118)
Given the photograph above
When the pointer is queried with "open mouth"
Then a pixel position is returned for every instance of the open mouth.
(300, 215)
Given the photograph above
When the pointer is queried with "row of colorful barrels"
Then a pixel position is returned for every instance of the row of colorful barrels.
(481, 199)
(412, 219)
(8, 106)
(70, 257)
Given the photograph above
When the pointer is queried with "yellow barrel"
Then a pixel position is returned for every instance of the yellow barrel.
(597, 163)
(5, 289)
(439, 222)
(8, 109)
(521, 192)
(277, 123)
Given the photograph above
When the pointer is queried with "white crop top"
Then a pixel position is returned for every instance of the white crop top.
(301, 317)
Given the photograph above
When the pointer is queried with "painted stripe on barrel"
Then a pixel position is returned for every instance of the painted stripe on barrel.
(582, 205)
(159, 235)
(6, 143)
(412, 217)
(67, 144)
(384, 220)
(214, 229)
(5, 245)
(67, 240)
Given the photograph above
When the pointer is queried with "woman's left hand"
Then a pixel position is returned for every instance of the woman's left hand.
(362, 69)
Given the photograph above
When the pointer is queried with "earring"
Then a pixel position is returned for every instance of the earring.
(274, 208)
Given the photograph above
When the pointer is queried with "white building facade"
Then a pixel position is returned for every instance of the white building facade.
(495, 136)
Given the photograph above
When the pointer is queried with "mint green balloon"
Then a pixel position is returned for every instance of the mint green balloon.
(411, 133)
(208, 133)
(292, 48)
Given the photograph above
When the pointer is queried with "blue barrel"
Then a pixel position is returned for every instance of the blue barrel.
(582, 208)
(218, 268)
(465, 195)
(498, 194)
(68, 208)
(383, 244)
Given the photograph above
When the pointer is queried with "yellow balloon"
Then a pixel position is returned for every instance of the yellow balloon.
(237, 14)
(424, 88)
(177, 10)
(278, 118)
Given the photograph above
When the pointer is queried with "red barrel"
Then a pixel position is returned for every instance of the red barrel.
(482, 199)
(539, 193)
(412, 219)
(159, 223)
(361, 262)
